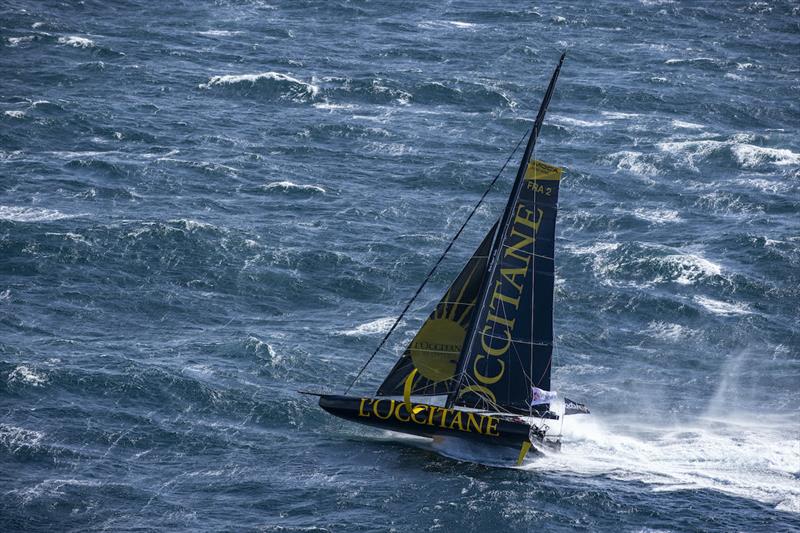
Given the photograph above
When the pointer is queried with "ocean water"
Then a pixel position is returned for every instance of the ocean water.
(205, 206)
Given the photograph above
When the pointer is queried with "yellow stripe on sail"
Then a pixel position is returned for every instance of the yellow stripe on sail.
(539, 171)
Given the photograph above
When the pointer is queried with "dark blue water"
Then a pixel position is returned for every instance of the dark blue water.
(206, 206)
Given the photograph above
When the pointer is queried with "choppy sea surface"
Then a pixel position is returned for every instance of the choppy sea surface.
(205, 206)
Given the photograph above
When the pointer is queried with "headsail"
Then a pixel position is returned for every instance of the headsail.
(435, 349)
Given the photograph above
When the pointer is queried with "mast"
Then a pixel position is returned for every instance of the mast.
(502, 229)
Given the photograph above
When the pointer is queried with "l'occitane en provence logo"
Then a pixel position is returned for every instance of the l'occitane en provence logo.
(435, 349)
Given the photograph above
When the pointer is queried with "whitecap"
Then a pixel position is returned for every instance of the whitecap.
(460, 24)
(691, 267)
(687, 125)
(750, 156)
(657, 216)
(76, 41)
(668, 331)
(578, 122)
(330, 107)
(722, 308)
(31, 214)
(16, 41)
(381, 325)
(291, 186)
(24, 375)
(218, 33)
(616, 115)
(71, 236)
(676, 61)
(746, 155)
(15, 113)
(230, 79)
(191, 225)
(634, 162)
(438, 24)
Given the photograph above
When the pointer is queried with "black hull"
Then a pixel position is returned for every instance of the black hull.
(428, 420)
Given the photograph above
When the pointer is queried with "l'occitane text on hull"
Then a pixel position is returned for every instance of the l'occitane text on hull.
(429, 415)
(427, 420)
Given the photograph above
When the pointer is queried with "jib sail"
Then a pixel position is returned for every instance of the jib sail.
(436, 347)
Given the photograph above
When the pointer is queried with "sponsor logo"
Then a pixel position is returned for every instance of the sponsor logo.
(429, 415)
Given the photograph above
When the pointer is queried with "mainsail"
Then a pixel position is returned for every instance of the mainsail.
(512, 338)
(436, 347)
(509, 346)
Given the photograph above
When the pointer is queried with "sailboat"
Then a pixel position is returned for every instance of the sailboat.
(479, 368)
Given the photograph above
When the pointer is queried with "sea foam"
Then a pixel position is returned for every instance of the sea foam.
(76, 41)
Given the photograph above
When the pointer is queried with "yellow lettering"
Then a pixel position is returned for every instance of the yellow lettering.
(491, 427)
(511, 273)
(527, 220)
(478, 389)
(444, 417)
(375, 410)
(500, 320)
(497, 295)
(475, 422)
(415, 411)
(431, 414)
(517, 246)
(361, 411)
(457, 420)
(397, 413)
(485, 379)
(494, 351)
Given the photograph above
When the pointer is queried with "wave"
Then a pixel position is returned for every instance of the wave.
(218, 33)
(440, 24)
(267, 83)
(741, 152)
(657, 216)
(289, 186)
(687, 268)
(380, 325)
(750, 156)
(687, 125)
(668, 331)
(76, 41)
(568, 121)
(24, 375)
(16, 41)
(31, 214)
(643, 264)
(634, 162)
(720, 308)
